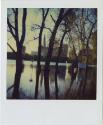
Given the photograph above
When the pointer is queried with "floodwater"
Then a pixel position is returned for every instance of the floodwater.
(28, 78)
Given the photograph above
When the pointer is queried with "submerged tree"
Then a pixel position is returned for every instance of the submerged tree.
(44, 16)
(65, 27)
(62, 14)
(57, 61)
(85, 25)
(93, 25)
(14, 30)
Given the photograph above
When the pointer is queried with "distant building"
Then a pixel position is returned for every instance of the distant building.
(91, 56)
(62, 69)
(83, 52)
(64, 51)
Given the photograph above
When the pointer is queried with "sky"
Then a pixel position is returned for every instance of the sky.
(34, 16)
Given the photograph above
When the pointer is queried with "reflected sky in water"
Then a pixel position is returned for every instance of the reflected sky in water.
(27, 86)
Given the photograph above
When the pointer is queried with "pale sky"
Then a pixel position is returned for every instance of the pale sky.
(34, 16)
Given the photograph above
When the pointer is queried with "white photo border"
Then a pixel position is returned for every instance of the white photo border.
(45, 112)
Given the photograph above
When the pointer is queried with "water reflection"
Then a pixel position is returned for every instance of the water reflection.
(28, 78)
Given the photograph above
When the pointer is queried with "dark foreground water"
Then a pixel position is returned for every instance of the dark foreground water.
(28, 78)
(27, 86)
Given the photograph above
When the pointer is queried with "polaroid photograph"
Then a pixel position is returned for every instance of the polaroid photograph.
(51, 62)
(54, 56)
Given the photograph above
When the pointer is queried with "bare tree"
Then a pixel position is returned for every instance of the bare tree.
(56, 65)
(62, 14)
(86, 24)
(44, 16)
(87, 48)
(19, 44)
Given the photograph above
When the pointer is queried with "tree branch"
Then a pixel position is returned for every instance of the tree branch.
(10, 87)
(43, 13)
(23, 25)
(16, 26)
(52, 18)
(11, 25)
(68, 12)
(39, 27)
(88, 18)
(11, 48)
(13, 10)
(10, 28)
(46, 14)
(90, 34)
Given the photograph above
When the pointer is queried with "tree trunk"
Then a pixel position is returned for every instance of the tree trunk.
(87, 48)
(56, 81)
(19, 69)
(19, 45)
(61, 16)
(38, 70)
(49, 54)
(39, 53)
(46, 83)
(56, 66)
